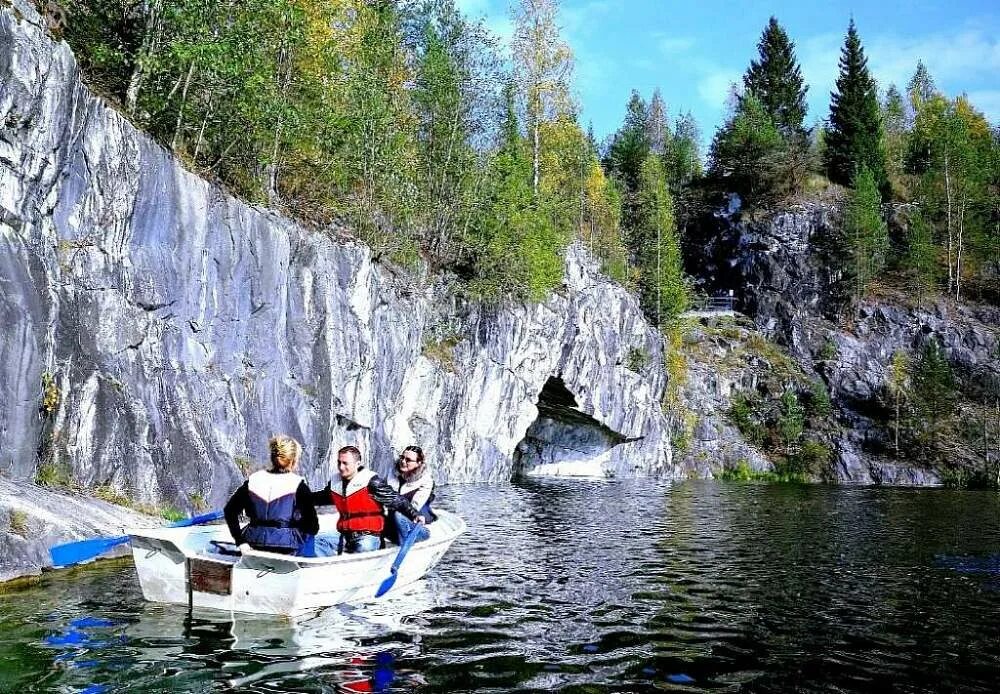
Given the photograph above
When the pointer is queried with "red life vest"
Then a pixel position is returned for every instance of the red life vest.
(359, 512)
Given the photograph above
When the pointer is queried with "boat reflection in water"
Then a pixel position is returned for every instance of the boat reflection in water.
(355, 646)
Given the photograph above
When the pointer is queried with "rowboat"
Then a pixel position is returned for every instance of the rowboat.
(183, 566)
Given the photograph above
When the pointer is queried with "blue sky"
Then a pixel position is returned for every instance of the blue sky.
(692, 51)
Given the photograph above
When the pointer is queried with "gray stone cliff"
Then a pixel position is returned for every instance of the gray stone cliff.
(157, 330)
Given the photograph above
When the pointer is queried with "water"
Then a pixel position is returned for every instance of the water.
(584, 587)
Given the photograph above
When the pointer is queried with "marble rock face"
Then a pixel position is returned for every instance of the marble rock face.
(157, 330)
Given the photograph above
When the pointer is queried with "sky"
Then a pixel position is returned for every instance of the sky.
(693, 51)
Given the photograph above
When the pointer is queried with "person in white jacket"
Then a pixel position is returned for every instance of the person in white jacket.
(413, 481)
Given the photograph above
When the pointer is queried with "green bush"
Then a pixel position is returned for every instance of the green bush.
(743, 413)
(19, 522)
(818, 402)
(637, 359)
(50, 474)
(791, 418)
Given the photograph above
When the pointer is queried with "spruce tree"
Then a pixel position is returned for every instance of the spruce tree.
(629, 148)
(855, 134)
(921, 87)
(776, 79)
(630, 144)
(866, 231)
(657, 247)
(894, 124)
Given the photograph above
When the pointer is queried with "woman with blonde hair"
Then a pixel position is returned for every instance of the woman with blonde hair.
(278, 503)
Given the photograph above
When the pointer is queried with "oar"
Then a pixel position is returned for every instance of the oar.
(76, 552)
(390, 581)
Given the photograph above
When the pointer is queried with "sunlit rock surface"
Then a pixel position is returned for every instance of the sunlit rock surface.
(33, 518)
(157, 330)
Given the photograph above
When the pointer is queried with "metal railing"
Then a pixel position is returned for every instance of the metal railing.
(713, 303)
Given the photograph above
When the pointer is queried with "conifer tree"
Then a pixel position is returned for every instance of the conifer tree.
(662, 283)
(629, 148)
(866, 231)
(744, 151)
(657, 128)
(855, 134)
(683, 158)
(776, 79)
(921, 86)
(894, 123)
(630, 145)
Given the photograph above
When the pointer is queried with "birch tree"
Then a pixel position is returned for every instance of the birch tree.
(543, 70)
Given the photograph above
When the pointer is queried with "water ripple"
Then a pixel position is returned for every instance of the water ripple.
(583, 587)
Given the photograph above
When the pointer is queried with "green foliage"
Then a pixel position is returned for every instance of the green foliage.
(742, 472)
(934, 395)
(19, 522)
(866, 231)
(655, 243)
(818, 403)
(791, 418)
(895, 144)
(51, 395)
(854, 138)
(828, 351)
(630, 145)
(751, 157)
(637, 359)
(954, 153)
(243, 464)
(442, 349)
(53, 474)
(810, 460)
(110, 494)
(743, 412)
(519, 248)
(171, 514)
(682, 160)
(920, 260)
(776, 79)
(198, 502)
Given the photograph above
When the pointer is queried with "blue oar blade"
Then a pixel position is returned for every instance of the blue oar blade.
(386, 585)
(198, 520)
(390, 580)
(75, 552)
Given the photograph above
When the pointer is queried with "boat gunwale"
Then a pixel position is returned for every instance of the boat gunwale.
(456, 523)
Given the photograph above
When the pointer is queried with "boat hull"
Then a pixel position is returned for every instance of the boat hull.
(175, 565)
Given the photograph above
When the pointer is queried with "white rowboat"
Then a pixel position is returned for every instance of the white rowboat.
(181, 566)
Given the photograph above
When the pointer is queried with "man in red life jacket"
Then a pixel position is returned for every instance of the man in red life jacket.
(361, 498)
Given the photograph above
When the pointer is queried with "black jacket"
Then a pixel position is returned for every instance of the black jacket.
(305, 520)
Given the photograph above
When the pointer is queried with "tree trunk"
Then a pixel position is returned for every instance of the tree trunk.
(146, 51)
(537, 151)
(958, 261)
(180, 111)
(947, 189)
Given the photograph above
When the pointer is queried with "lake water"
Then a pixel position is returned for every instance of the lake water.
(583, 587)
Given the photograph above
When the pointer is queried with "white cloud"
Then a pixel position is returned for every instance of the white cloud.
(957, 56)
(474, 8)
(672, 45)
(713, 87)
(987, 101)
(586, 19)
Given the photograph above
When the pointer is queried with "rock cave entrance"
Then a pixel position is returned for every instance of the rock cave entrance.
(563, 440)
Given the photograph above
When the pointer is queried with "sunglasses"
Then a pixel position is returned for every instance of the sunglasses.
(409, 460)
